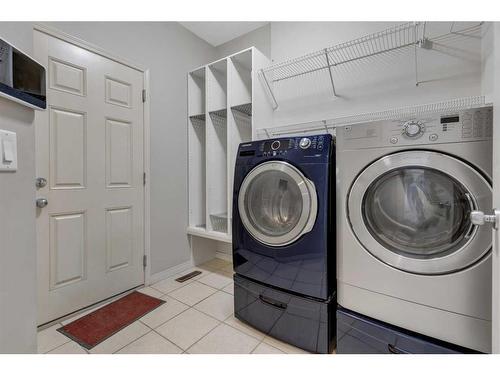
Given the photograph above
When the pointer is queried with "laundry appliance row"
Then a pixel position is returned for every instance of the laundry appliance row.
(365, 241)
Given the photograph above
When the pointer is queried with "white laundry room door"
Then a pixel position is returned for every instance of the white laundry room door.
(90, 153)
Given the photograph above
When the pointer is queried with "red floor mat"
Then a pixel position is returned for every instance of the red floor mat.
(98, 325)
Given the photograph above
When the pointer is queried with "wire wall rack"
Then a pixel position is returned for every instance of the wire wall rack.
(334, 61)
(402, 113)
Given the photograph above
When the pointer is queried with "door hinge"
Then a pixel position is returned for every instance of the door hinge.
(144, 178)
(144, 261)
(144, 95)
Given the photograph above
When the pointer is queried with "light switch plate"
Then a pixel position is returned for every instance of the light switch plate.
(8, 151)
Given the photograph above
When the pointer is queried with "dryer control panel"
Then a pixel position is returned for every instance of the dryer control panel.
(461, 126)
(313, 148)
(282, 146)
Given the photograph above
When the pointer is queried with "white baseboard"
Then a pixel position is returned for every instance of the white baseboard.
(224, 256)
(170, 272)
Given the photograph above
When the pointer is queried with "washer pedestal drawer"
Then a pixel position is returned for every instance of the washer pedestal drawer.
(306, 323)
(357, 334)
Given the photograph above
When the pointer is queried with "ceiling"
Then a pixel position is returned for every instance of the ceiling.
(217, 33)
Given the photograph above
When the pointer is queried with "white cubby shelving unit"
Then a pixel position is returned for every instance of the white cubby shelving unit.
(225, 101)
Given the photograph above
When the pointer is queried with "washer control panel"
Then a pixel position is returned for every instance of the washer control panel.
(461, 126)
(308, 145)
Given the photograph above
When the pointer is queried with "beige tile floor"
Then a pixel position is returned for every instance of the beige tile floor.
(196, 318)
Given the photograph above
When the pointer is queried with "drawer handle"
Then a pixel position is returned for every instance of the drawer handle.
(395, 350)
(273, 302)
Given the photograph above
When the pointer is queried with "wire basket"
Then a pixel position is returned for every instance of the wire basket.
(219, 222)
(198, 120)
(219, 118)
(244, 109)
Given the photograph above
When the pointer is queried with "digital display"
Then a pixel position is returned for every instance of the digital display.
(277, 145)
(450, 119)
(247, 153)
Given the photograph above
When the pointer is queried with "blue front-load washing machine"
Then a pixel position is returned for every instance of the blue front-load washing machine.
(284, 239)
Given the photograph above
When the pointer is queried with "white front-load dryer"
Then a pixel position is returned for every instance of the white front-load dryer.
(407, 251)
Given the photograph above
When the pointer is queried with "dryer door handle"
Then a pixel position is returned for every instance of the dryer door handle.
(313, 208)
(479, 218)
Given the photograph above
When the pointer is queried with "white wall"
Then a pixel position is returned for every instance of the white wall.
(259, 38)
(17, 220)
(488, 60)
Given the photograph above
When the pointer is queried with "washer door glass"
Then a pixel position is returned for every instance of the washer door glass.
(418, 212)
(277, 203)
(411, 211)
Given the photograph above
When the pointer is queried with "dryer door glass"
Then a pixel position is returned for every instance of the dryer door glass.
(411, 211)
(418, 212)
(276, 203)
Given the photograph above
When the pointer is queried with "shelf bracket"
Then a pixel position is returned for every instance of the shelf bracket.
(330, 71)
(324, 124)
(420, 42)
(274, 103)
(416, 64)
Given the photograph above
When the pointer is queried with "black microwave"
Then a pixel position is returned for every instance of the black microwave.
(22, 79)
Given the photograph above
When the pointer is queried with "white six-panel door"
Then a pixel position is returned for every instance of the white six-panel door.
(90, 149)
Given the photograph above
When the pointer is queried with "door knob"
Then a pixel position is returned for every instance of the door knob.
(480, 218)
(40, 182)
(41, 202)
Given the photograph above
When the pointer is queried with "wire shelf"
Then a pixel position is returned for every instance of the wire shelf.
(402, 113)
(219, 117)
(397, 37)
(323, 71)
(400, 36)
(242, 115)
(245, 109)
(198, 120)
(198, 117)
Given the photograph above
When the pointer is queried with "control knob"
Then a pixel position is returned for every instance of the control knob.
(413, 129)
(305, 143)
